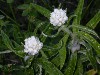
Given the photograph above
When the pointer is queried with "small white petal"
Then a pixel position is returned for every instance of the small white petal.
(60, 19)
(56, 10)
(65, 18)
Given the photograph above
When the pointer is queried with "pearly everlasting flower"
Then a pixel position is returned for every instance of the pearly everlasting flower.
(32, 45)
(58, 17)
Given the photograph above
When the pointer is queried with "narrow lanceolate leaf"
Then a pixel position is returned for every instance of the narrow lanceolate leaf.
(86, 29)
(62, 51)
(91, 41)
(55, 60)
(78, 13)
(7, 41)
(42, 10)
(72, 64)
(94, 21)
(90, 55)
(79, 69)
(49, 67)
(39, 25)
(70, 18)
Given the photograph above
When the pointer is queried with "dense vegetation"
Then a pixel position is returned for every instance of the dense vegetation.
(20, 19)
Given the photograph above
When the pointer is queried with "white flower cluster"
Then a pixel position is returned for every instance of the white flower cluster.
(32, 45)
(58, 17)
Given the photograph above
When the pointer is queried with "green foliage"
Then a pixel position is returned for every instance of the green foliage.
(79, 69)
(94, 21)
(86, 29)
(90, 55)
(57, 56)
(92, 42)
(8, 43)
(72, 64)
(49, 67)
(78, 13)
(62, 51)
(42, 10)
(24, 6)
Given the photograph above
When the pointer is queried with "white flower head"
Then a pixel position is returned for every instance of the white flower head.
(32, 45)
(58, 17)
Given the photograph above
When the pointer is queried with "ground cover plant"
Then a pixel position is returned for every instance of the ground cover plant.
(49, 37)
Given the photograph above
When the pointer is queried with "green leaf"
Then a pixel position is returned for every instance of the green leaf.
(10, 1)
(38, 26)
(72, 64)
(90, 55)
(78, 13)
(55, 60)
(2, 23)
(94, 21)
(49, 67)
(23, 6)
(46, 30)
(16, 44)
(43, 54)
(86, 29)
(70, 18)
(25, 12)
(28, 60)
(42, 10)
(91, 41)
(79, 68)
(62, 51)
(7, 41)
